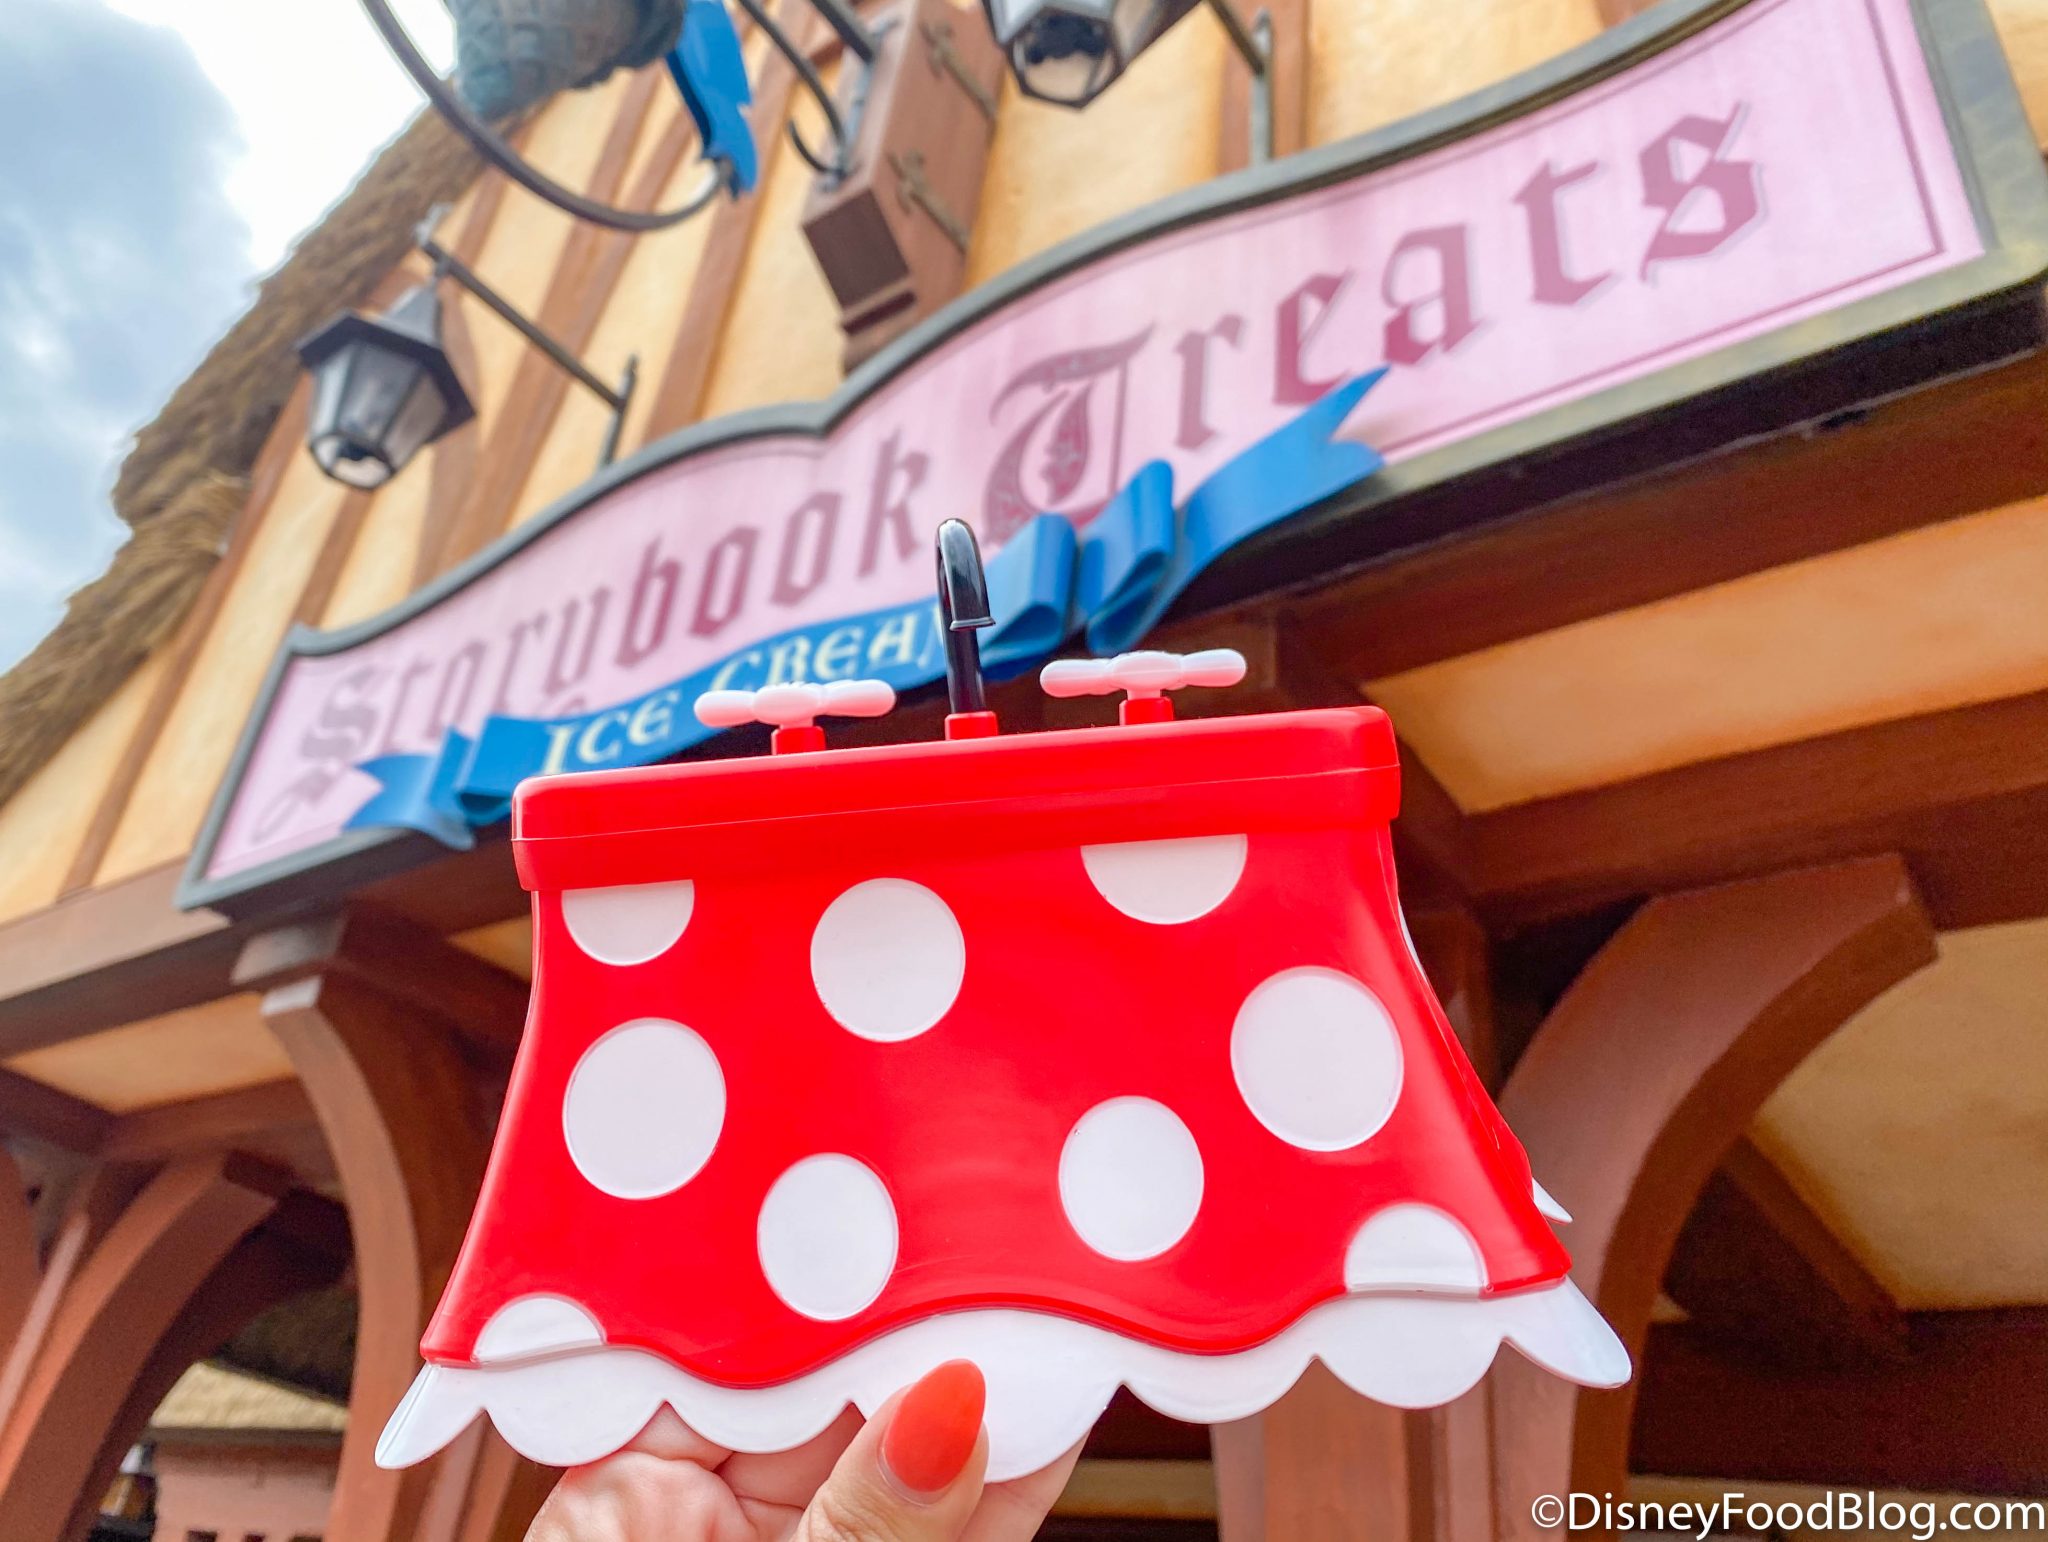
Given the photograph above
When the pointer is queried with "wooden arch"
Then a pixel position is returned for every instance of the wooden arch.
(402, 1041)
(145, 1272)
(1638, 1084)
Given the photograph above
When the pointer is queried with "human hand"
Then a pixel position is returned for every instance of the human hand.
(913, 1473)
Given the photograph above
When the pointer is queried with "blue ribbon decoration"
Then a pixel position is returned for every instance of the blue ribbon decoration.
(711, 73)
(1048, 584)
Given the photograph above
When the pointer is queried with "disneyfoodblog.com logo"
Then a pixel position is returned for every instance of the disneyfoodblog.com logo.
(1738, 1514)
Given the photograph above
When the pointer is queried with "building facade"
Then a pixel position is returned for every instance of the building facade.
(1708, 602)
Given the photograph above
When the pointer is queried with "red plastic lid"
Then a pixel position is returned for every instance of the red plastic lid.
(1292, 770)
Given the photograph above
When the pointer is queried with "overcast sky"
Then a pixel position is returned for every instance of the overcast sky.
(160, 155)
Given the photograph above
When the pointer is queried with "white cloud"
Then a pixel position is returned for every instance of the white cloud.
(165, 153)
(313, 90)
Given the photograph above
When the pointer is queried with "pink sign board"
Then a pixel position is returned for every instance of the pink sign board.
(1785, 161)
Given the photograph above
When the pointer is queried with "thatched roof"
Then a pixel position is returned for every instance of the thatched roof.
(187, 475)
(212, 1401)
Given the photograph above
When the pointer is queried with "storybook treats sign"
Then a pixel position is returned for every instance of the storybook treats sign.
(1572, 249)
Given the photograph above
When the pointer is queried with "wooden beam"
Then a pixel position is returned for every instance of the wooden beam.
(679, 398)
(30, 1107)
(1756, 1270)
(1638, 1083)
(286, 437)
(1912, 461)
(256, 1275)
(518, 428)
(1322, 1465)
(108, 956)
(452, 471)
(1456, 956)
(128, 1295)
(482, 1003)
(1962, 795)
(1965, 1412)
(397, 1104)
(1287, 80)
(221, 1121)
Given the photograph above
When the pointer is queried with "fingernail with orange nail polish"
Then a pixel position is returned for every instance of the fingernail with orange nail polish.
(933, 1431)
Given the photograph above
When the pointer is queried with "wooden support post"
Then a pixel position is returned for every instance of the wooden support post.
(104, 1349)
(363, 1006)
(1323, 1465)
(1637, 1085)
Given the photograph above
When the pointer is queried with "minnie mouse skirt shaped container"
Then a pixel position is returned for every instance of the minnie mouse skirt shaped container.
(1095, 1057)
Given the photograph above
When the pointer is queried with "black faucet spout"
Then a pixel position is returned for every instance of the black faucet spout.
(963, 608)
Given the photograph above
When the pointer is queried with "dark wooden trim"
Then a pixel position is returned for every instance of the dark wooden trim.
(1456, 955)
(452, 470)
(1648, 1070)
(1431, 834)
(1757, 1270)
(1916, 460)
(518, 428)
(1965, 1412)
(108, 956)
(679, 399)
(1984, 309)
(30, 1107)
(126, 1298)
(218, 1121)
(1289, 69)
(335, 551)
(397, 1104)
(386, 953)
(285, 437)
(1962, 794)
(1322, 1465)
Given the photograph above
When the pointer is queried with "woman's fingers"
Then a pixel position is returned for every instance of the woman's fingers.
(789, 1478)
(913, 1474)
(1013, 1511)
(659, 1489)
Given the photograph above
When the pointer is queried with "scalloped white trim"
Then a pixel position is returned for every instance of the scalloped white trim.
(1548, 1206)
(1048, 1377)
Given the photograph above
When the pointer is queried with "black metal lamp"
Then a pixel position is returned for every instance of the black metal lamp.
(383, 387)
(1070, 51)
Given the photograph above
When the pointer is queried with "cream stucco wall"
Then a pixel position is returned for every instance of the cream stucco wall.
(1051, 174)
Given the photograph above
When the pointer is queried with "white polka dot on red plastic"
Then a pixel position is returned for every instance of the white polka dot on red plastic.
(536, 1325)
(827, 1237)
(631, 923)
(1413, 1247)
(644, 1109)
(1167, 882)
(1131, 1178)
(1316, 1058)
(887, 959)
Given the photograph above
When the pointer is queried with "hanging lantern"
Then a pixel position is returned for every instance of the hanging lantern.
(383, 387)
(1069, 51)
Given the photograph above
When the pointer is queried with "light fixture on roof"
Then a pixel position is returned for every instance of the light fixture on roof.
(384, 387)
(1069, 51)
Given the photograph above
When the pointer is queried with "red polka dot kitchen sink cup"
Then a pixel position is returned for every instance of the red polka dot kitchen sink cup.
(1095, 1057)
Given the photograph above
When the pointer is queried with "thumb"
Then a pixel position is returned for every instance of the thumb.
(913, 1474)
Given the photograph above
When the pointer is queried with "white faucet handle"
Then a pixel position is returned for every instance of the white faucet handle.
(1142, 674)
(795, 705)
